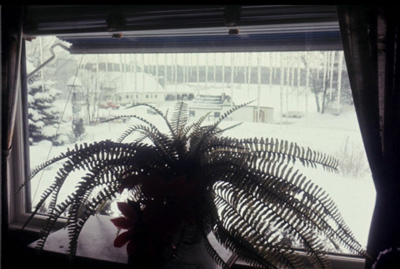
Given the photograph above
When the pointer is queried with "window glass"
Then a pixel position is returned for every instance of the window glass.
(301, 96)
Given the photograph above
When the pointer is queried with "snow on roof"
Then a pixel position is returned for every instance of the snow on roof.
(139, 82)
(244, 93)
(274, 96)
(209, 101)
(181, 88)
(267, 98)
(74, 80)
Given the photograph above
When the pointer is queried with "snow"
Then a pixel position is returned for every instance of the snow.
(74, 81)
(354, 197)
(138, 82)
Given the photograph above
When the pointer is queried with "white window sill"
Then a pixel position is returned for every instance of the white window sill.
(95, 241)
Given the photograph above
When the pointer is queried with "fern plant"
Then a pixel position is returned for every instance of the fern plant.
(193, 181)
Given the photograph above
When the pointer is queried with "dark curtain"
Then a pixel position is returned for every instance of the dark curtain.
(370, 36)
(11, 40)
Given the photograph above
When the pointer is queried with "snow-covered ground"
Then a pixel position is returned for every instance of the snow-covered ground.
(354, 196)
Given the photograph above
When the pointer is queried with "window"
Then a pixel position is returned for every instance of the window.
(304, 88)
(307, 92)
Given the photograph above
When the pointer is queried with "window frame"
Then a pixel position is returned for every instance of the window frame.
(18, 214)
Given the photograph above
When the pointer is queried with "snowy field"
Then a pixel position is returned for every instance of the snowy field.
(328, 133)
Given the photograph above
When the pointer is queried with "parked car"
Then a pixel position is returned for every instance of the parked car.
(293, 114)
(109, 105)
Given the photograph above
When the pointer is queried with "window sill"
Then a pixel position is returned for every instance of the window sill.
(97, 237)
(342, 261)
(96, 242)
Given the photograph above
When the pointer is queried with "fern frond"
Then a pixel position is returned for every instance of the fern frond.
(51, 220)
(97, 156)
(195, 126)
(75, 226)
(228, 128)
(282, 150)
(269, 217)
(159, 112)
(309, 203)
(42, 166)
(213, 253)
(210, 130)
(132, 129)
(249, 192)
(226, 114)
(159, 140)
(180, 118)
(231, 240)
(236, 219)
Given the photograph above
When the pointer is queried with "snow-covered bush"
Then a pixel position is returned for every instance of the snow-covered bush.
(353, 161)
(43, 115)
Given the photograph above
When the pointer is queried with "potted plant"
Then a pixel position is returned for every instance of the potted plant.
(191, 181)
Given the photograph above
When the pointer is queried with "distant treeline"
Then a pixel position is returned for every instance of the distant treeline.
(220, 74)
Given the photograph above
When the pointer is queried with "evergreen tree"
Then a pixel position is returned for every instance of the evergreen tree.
(43, 115)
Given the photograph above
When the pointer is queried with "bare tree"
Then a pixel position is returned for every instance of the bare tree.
(318, 85)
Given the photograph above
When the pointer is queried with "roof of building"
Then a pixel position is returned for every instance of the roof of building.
(210, 101)
(139, 82)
